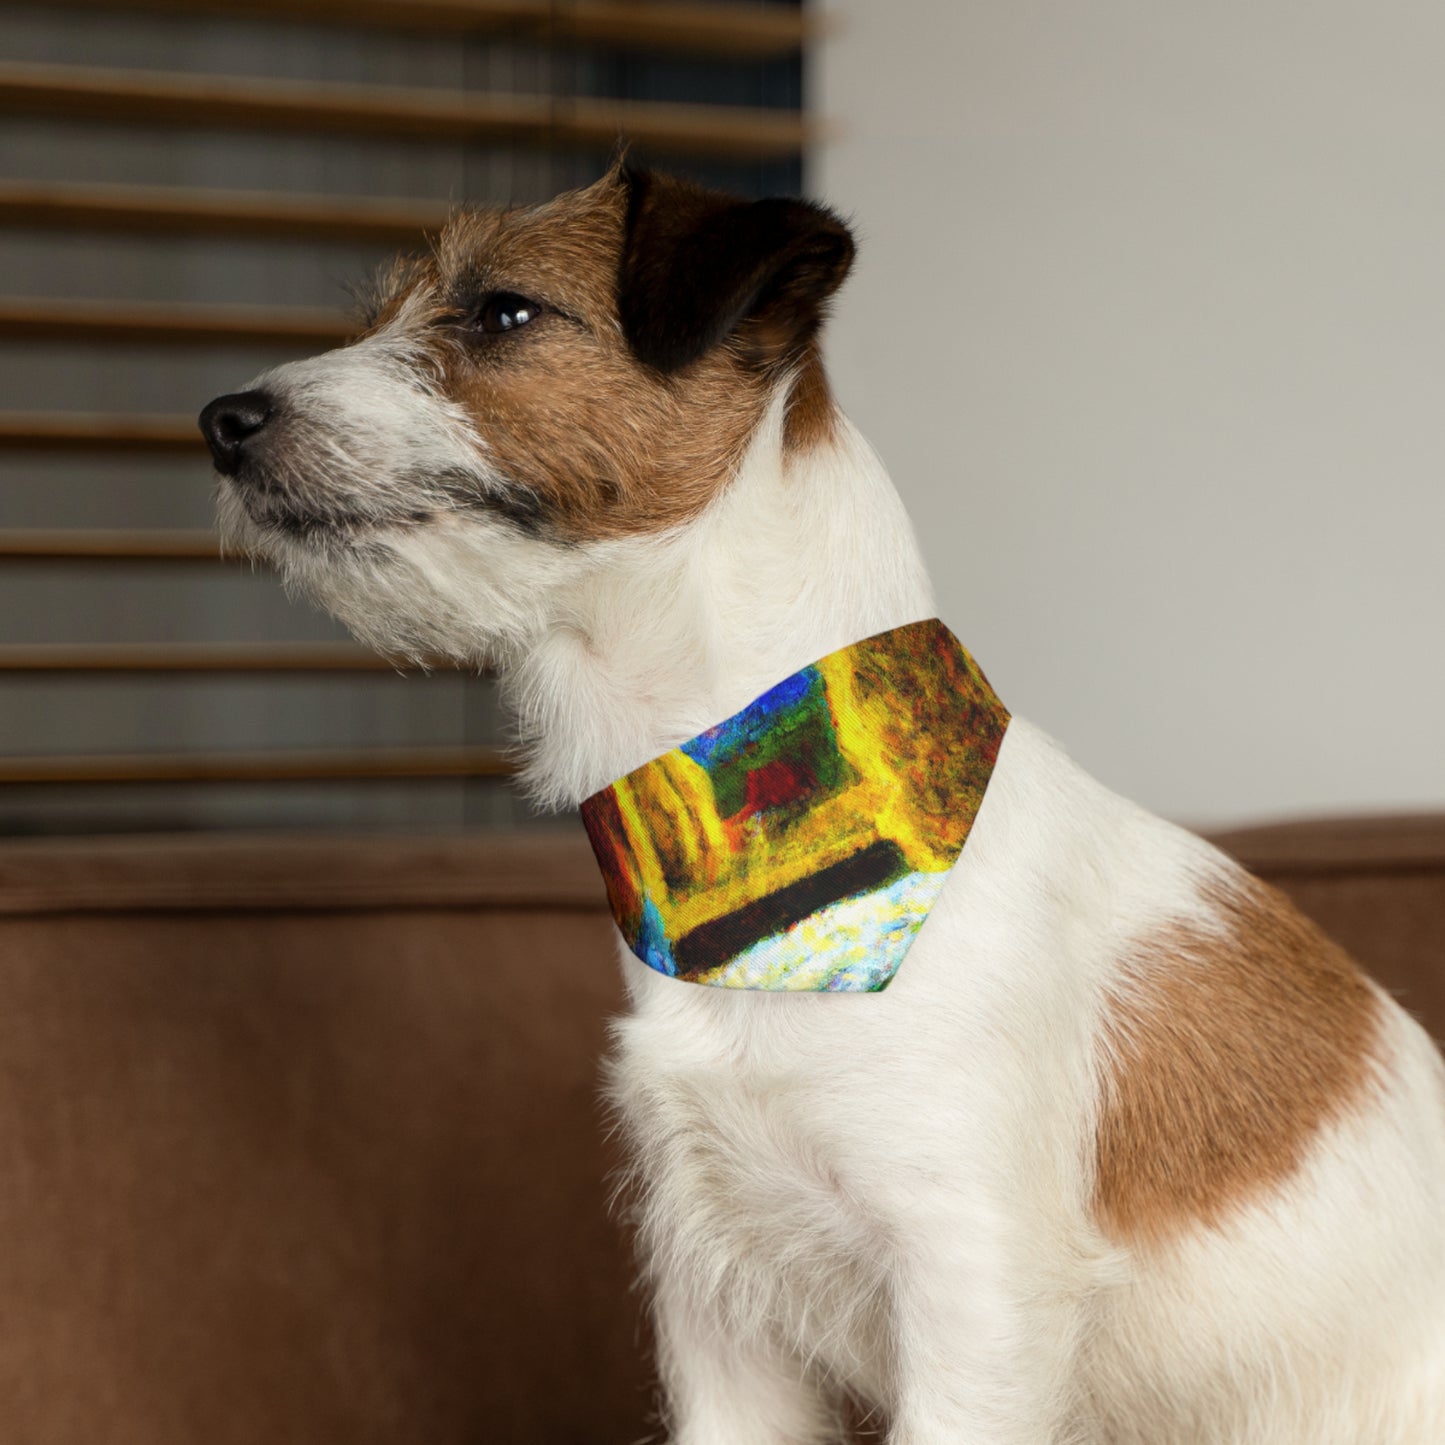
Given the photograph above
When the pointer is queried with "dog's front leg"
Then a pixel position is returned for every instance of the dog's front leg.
(724, 1387)
(985, 1339)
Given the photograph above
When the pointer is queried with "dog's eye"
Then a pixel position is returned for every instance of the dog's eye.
(505, 311)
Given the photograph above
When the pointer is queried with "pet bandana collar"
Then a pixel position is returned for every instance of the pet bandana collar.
(799, 844)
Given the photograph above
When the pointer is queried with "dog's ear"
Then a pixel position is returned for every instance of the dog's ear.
(698, 267)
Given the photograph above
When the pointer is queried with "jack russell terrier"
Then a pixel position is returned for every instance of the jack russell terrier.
(1125, 1152)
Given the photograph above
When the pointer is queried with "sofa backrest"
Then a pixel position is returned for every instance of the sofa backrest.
(300, 1141)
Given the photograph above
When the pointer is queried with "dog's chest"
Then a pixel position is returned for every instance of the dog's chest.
(750, 1167)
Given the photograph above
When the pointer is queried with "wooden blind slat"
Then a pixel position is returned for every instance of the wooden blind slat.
(77, 544)
(216, 101)
(756, 32)
(172, 210)
(67, 431)
(331, 765)
(171, 323)
(186, 657)
(704, 29)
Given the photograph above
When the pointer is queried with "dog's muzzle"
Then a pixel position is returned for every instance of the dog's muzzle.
(231, 425)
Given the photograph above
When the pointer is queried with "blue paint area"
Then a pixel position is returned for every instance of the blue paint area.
(720, 743)
(653, 946)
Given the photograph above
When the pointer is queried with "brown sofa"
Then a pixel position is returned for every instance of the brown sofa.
(300, 1141)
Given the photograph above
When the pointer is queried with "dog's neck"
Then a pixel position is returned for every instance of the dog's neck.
(806, 552)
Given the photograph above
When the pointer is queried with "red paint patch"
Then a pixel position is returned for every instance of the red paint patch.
(776, 784)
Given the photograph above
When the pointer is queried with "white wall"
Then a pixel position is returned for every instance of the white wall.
(1149, 324)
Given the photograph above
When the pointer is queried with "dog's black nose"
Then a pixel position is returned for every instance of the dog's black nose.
(229, 422)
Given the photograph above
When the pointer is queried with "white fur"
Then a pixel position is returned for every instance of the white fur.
(890, 1194)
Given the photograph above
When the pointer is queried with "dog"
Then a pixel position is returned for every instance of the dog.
(1127, 1153)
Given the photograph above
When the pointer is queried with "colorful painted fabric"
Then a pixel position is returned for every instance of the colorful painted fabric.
(800, 844)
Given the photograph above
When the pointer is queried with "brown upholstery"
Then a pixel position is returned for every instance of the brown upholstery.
(300, 1142)
(299, 1139)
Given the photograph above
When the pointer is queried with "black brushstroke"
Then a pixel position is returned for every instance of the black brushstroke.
(714, 943)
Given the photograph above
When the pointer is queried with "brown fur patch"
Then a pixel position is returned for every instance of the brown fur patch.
(1226, 1055)
(605, 445)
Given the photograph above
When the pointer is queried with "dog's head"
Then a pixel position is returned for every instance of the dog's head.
(545, 382)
